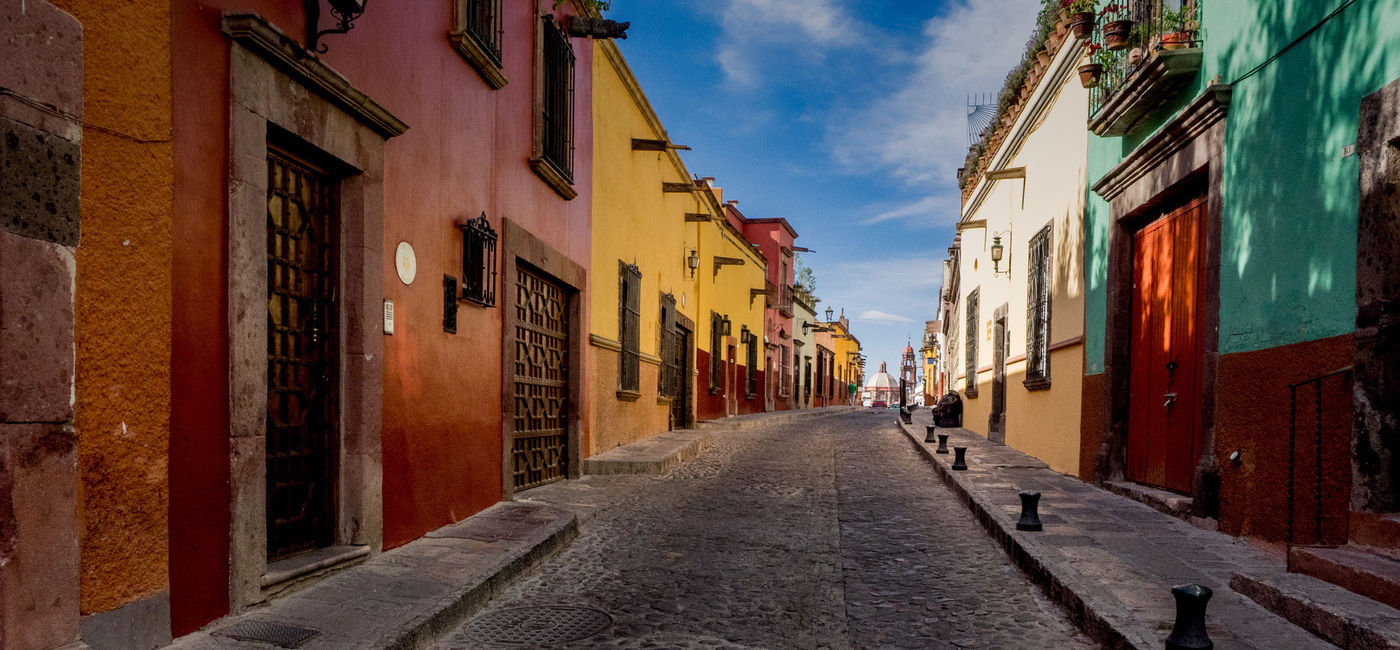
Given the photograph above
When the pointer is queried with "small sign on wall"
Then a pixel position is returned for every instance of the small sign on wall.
(388, 317)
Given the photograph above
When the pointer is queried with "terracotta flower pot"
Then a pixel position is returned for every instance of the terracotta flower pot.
(1115, 34)
(1176, 40)
(1089, 74)
(1043, 56)
(1082, 23)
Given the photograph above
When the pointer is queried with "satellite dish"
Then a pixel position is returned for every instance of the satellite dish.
(980, 112)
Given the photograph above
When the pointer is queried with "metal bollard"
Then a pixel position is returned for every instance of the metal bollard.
(929, 437)
(1189, 632)
(907, 416)
(1030, 515)
(942, 444)
(959, 458)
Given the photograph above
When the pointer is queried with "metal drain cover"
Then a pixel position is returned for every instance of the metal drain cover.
(536, 626)
(281, 635)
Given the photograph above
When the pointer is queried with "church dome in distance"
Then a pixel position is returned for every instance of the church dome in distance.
(882, 379)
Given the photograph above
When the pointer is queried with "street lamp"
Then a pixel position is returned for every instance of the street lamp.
(829, 312)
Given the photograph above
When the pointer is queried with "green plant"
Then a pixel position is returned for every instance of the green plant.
(1050, 11)
(804, 285)
(599, 5)
(1078, 6)
(1180, 20)
(1104, 58)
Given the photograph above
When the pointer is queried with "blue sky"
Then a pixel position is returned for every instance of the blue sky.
(847, 117)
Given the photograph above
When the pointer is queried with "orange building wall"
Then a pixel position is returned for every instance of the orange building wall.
(123, 308)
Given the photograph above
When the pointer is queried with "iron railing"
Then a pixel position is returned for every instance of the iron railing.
(1332, 415)
(557, 137)
(1156, 25)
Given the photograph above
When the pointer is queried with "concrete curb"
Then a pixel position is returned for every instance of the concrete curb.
(408, 597)
(451, 612)
(1105, 622)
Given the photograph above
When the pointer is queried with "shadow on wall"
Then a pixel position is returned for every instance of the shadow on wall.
(1288, 240)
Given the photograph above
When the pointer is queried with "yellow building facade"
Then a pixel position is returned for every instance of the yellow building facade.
(1015, 326)
(654, 281)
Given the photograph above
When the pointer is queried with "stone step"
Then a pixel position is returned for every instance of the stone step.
(1379, 532)
(1356, 568)
(1345, 618)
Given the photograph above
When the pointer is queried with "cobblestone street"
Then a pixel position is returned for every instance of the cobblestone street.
(828, 533)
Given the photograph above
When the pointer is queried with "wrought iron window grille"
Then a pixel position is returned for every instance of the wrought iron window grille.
(629, 316)
(479, 262)
(971, 342)
(1038, 311)
(481, 20)
(557, 107)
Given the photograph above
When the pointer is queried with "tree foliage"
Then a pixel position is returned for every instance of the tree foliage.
(804, 286)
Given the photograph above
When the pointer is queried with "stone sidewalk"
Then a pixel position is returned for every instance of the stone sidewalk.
(1112, 561)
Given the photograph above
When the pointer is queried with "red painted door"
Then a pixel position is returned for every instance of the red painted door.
(1164, 425)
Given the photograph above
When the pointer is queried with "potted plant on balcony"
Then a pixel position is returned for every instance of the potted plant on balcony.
(1081, 16)
(1117, 27)
(1098, 59)
(1179, 27)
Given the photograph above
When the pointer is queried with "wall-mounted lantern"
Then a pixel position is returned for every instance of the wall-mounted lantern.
(829, 313)
(346, 12)
(998, 253)
(692, 261)
(726, 326)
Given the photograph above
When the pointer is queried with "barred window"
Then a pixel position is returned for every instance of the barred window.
(751, 353)
(1038, 311)
(973, 317)
(716, 352)
(807, 380)
(784, 372)
(556, 119)
(629, 320)
(476, 35)
(669, 382)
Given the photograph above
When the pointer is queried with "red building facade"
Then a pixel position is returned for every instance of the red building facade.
(356, 226)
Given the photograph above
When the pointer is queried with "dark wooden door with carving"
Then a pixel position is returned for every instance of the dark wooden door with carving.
(540, 441)
(302, 357)
(1164, 420)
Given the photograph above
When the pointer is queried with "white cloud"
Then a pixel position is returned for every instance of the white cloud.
(749, 25)
(937, 208)
(878, 316)
(918, 134)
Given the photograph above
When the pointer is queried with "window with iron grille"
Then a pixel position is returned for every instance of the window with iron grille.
(784, 372)
(479, 262)
(476, 35)
(629, 322)
(971, 341)
(668, 381)
(1038, 312)
(751, 357)
(555, 126)
(716, 353)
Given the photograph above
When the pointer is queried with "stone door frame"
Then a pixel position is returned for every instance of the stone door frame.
(1188, 149)
(1375, 461)
(279, 95)
(520, 246)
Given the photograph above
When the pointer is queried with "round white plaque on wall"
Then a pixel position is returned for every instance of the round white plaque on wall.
(406, 263)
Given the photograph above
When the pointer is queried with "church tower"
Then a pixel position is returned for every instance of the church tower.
(908, 374)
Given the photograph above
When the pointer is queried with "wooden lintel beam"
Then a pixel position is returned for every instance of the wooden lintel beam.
(677, 187)
(721, 262)
(696, 216)
(647, 144)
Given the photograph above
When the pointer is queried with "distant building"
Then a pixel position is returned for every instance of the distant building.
(883, 387)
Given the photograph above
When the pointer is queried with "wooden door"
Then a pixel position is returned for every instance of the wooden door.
(996, 422)
(680, 382)
(540, 442)
(303, 360)
(1164, 425)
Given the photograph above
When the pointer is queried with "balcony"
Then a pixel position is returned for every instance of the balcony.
(785, 301)
(1158, 60)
